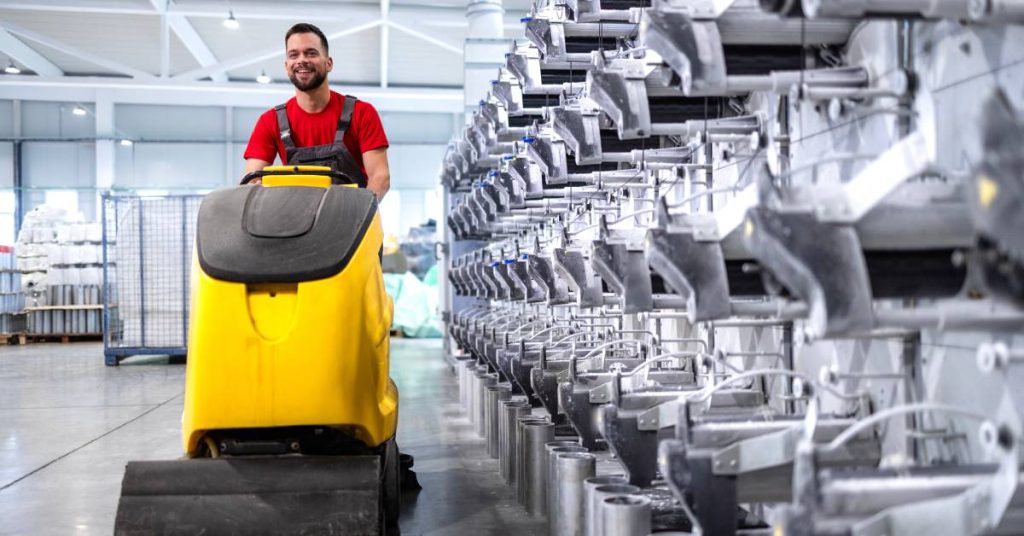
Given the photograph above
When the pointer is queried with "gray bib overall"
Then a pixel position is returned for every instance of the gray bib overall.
(334, 155)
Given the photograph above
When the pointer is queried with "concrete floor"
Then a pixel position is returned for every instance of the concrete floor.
(68, 424)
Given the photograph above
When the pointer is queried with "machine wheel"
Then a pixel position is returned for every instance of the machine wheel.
(391, 484)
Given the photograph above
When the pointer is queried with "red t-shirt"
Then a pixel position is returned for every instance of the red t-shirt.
(365, 133)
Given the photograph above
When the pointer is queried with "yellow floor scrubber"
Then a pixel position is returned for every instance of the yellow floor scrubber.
(290, 415)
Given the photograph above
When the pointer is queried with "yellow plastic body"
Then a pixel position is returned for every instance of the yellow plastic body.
(293, 354)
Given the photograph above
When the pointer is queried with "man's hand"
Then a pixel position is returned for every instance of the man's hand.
(254, 164)
(378, 174)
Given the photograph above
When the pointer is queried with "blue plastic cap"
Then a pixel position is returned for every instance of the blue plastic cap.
(510, 261)
(495, 264)
(525, 256)
(492, 173)
(508, 157)
(526, 19)
(529, 139)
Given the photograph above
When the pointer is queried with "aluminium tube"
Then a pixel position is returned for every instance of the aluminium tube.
(475, 382)
(571, 469)
(461, 370)
(495, 395)
(466, 369)
(486, 380)
(552, 450)
(626, 516)
(510, 411)
(594, 525)
(590, 504)
(522, 452)
(535, 436)
(471, 388)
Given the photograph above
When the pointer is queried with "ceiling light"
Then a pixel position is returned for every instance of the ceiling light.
(126, 143)
(231, 22)
(12, 68)
(78, 110)
(263, 78)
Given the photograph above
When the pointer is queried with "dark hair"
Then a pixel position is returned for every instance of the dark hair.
(305, 27)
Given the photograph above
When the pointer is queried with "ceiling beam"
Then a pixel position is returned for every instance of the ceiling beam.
(238, 94)
(165, 47)
(385, 41)
(17, 49)
(426, 37)
(440, 16)
(190, 38)
(73, 51)
(276, 51)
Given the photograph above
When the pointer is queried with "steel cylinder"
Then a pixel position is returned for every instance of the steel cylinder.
(475, 381)
(460, 376)
(594, 523)
(535, 436)
(495, 394)
(485, 381)
(510, 412)
(470, 389)
(552, 449)
(628, 515)
(466, 368)
(571, 470)
(590, 504)
(521, 454)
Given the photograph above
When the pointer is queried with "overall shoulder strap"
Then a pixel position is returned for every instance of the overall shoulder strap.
(283, 126)
(346, 117)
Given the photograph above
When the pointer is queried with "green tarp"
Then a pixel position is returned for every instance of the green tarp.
(415, 303)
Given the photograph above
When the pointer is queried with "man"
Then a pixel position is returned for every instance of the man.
(319, 126)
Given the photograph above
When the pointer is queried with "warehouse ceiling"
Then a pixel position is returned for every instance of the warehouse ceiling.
(386, 43)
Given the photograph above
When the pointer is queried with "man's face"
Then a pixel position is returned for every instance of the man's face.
(305, 62)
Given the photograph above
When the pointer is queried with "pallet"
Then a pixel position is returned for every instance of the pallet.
(22, 339)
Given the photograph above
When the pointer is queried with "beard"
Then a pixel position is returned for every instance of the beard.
(314, 82)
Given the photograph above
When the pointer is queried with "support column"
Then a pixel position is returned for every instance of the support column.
(105, 157)
(484, 54)
(484, 49)
(229, 147)
(19, 194)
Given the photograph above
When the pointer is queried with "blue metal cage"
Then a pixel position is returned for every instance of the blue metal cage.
(147, 253)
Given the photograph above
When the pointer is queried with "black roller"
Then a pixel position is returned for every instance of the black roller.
(658, 285)
(762, 59)
(680, 109)
(623, 5)
(521, 120)
(584, 45)
(539, 101)
(604, 166)
(786, 8)
(744, 282)
(610, 143)
(914, 274)
(260, 495)
(559, 76)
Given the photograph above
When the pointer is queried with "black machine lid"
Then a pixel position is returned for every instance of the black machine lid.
(283, 234)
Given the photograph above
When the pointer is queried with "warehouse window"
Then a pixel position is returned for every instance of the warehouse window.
(7, 218)
(433, 204)
(391, 212)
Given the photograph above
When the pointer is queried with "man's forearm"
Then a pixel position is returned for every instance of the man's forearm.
(379, 184)
(254, 164)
